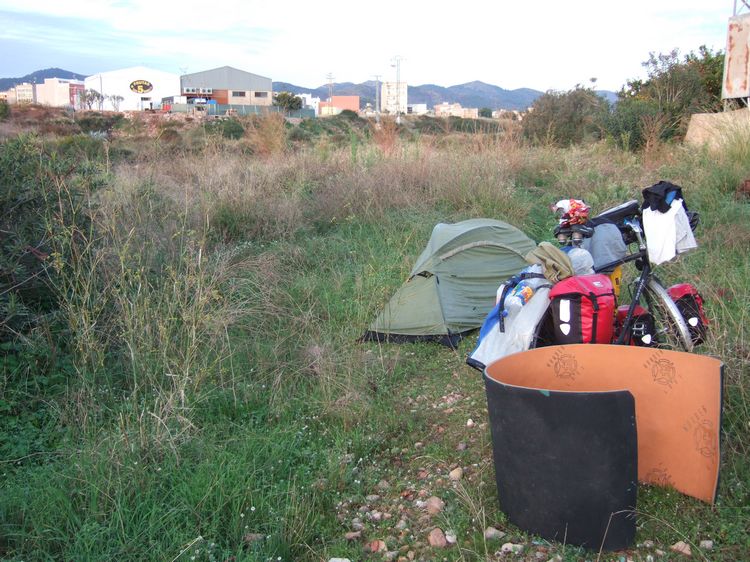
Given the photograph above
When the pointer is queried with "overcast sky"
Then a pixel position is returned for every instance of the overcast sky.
(541, 44)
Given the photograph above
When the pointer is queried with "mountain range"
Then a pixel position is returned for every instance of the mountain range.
(471, 94)
(39, 76)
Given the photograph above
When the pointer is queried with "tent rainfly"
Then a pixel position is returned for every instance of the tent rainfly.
(453, 284)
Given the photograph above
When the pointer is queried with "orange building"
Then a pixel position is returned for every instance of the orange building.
(337, 104)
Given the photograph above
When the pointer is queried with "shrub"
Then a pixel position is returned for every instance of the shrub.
(232, 129)
(565, 118)
(4, 110)
(40, 200)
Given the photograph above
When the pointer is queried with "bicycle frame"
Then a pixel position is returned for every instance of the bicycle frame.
(645, 268)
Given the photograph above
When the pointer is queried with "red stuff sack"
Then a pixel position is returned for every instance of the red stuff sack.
(583, 309)
(690, 304)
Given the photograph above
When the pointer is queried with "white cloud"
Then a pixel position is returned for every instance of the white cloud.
(545, 44)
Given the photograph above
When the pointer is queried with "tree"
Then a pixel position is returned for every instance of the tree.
(115, 100)
(674, 90)
(565, 118)
(485, 112)
(91, 98)
(287, 101)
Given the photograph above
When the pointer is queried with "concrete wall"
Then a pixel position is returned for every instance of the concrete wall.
(714, 129)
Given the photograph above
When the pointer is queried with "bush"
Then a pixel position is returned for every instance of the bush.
(40, 201)
(231, 129)
(4, 110)
(566, 118)
(94, 122)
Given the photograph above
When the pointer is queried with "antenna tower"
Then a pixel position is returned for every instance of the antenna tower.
(329, 76)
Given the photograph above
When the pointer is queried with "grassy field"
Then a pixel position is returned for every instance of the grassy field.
(196, 390)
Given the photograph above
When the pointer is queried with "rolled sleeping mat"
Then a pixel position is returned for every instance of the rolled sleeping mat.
(566, 462)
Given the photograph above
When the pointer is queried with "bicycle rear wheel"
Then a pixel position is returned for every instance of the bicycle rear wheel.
(671, 329)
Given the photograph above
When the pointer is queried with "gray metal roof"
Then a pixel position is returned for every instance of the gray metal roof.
(226, 78)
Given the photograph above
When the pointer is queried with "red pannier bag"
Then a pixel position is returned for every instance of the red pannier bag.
(690, 304)
(642, 326)
(583, 309)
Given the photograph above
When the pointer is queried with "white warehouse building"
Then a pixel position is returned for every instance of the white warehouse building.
(139, 87)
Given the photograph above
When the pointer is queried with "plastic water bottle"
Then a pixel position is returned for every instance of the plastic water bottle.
(519, 296)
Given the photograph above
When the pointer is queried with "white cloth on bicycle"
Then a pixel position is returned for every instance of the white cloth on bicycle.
(667, 234)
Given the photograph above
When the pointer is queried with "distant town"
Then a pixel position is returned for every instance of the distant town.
(221, 91)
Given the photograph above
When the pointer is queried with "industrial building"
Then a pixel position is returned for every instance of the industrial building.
(446, 109)
(133, 89)
(227, 86)
(336, 104)
(60, 92)
(21, 93)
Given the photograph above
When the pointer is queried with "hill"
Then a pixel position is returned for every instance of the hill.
(39, 76)
(471, 94)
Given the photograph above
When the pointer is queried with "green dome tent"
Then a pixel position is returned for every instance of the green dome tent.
(452, 286)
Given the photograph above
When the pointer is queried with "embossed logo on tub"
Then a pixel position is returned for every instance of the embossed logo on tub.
(663, 370)
(564, 364)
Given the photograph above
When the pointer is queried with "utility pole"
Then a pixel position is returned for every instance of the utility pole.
(396, 61)
(377, 98)
(329, 76)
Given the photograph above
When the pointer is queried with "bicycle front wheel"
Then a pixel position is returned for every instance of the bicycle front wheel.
(671, 329)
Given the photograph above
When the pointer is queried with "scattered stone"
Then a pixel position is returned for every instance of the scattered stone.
(418, 445)
(375, 516)
(434, 505)
(364, 509)
(254, 537)
(357, 524)
(420, 504)
(346, 459)
(648, 544)
(372, 498)
(650, 558)
(659, 552)
(449, 410)
(377, 546)
(456, 474)
(437, 538)
(461, 446)
(353, 535)
(510, 548)
(401, 525)
(339, 560)
(423, 474)
(470, 423)
(555, 558)
(383, 485)
(410, 555)
(707, 545)
(492, 534)
(391, 554)
(450, 537)
(681, 547)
